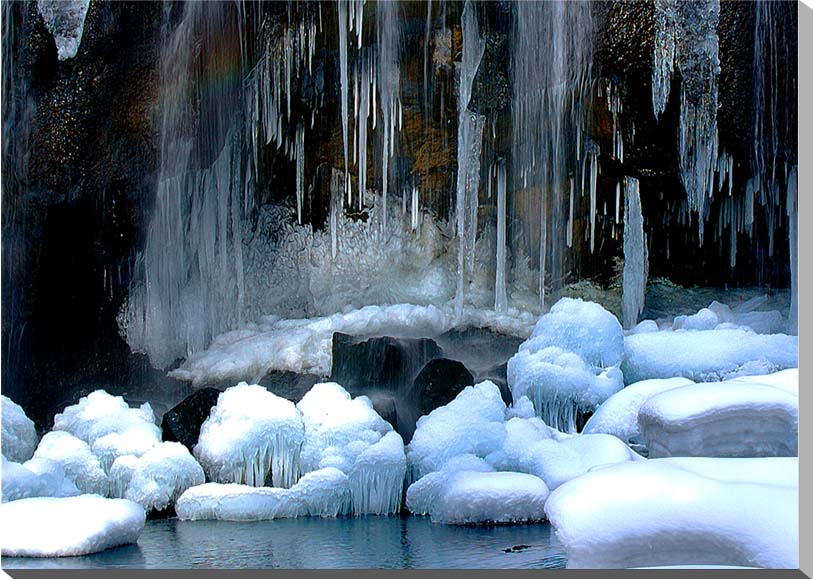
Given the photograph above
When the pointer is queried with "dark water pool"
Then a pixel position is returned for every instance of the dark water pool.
(366, 542)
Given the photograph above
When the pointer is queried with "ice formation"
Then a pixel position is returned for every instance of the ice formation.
(35, 478)
(304, 345)
(65, 20)
(110, 426)
(348, 434)
(78, 462)
(724, 419)
(491, 497)
(618, 415)
(67, 527)
(681, 512)
(19, 437)
(324, 492)
(472, 423)
(252, 436)
(635, 256)
(707, 355)
(158, 478)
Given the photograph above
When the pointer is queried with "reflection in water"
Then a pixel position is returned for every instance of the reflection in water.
(365, 542)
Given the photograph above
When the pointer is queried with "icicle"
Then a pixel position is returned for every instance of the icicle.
(300, 172)
(635, 256)
(570, 217)
(593, 186)
(500, 296)
(414, 208)
(666, 39)
(343, 24)
(793, 232)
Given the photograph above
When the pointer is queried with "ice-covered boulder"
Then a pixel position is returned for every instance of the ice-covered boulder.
(252, 436)
(64, 527)
(721, 419)
(472, 423)
(324, 492)
(347, 433)
(618, 415)
(561, 384)
(473, 497)
(707, 355)
(19, 437)
(77, 461)
(704, 319)
(671, 512)
(584, 328)
(110, 426)
(35, 478)
(745, 314)
(156, 479)
(422, 495)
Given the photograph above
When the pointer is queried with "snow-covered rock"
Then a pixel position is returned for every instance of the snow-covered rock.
(346, 433)
(785, 380)
(19, 437)
(36, 478)
(472, 423)
(669, 512)
(618, 415)
(473, 497)
(324, 492)
(422, 496)
(64, 527)
(251, 436)
(110, 426)
(707, 355)
(156, 479)
(723, 419)
(77, 461)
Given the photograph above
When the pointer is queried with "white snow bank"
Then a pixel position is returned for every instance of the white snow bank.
(251, 436)
(474, 497)
(721, 419)
(324, 492)
(618, 415)
(422, 495)
(19, 437)
(667, 512)
(472, 423)
(63, 527)
(348, 434)
(77, 461)
(707, 355)
(305, 345)
(65, 20)
(158, 478)
(35, 478)
(786, 380)
(110, 426)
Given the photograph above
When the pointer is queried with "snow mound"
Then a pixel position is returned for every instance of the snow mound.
(158, 478)
(721, 419)
(560, 384)
(668, 512)
(474, 497)
(324, 493)
(422, 495)
(584, 328)
(472, 423)
(305, 345)
(250, 437)
(707, 355)
(64, 527)
(348, 434)
(785, 380)
(35, 478)
(77, 461)
(19, 437)
(110, 426)
(618, 415)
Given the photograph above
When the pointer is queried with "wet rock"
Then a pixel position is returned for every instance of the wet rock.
(182, 423)
(439, 382)
(289, 385)
(383, 362)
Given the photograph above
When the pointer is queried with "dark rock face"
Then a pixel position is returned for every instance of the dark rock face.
(182, 423)
(289, 385)
(439, 382)
(386, 363)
